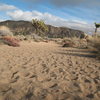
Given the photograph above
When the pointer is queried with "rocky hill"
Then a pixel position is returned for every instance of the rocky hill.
(25, 28)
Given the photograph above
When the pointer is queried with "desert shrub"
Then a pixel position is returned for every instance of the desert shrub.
(74, 42)
(5, 31)
(11, 41)
(95, 43)
(67, 42)
(20, 37)
(1, 42)
(32, 37)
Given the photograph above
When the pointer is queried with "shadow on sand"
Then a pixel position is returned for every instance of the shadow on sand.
(84, 51)
(79, 53)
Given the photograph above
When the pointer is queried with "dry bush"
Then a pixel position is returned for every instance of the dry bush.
(11, 41)
(95, 43)
(5, 31)
(21, 37)
(75, 42)
(29, 38)
(1, 42)
(68, 43)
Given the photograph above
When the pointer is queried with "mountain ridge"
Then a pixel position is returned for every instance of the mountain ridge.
(26, 28)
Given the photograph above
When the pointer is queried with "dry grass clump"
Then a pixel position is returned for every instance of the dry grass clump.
(5, 31)
(68, 43)
(11, 41)
(75, 42)
(20, 37)
(29, 38)
(95, 43)
(71, 42)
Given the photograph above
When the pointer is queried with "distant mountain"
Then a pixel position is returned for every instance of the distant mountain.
(26, 28)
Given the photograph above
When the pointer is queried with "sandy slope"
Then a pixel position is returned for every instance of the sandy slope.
(46, 71)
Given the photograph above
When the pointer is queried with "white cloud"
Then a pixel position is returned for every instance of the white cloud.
(1, 20)
(5, 7)
(28, 15)
(20, 15)
(51, 19)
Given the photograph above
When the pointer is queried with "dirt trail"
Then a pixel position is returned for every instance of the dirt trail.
(46, 71)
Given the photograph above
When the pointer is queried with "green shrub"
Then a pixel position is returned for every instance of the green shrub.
(39, 26)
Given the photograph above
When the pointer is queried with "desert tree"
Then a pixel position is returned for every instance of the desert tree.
(39, 26)
(97, 25)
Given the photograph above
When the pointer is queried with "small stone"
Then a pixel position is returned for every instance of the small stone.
(13, 81)
(90, 96)
(54, 85)
(26, 74)
(32, 76)
(87, 81)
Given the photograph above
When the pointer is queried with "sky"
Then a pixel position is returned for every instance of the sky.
(76, 14)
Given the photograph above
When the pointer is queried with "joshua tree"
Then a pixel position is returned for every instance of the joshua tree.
(39, 26)
(97, 25)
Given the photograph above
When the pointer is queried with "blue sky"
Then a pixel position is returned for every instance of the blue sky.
(78, 14)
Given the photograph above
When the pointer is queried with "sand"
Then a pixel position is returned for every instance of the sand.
(46, 71)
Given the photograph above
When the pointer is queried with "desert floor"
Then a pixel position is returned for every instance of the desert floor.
(46, 71)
